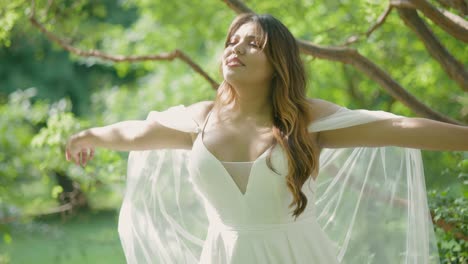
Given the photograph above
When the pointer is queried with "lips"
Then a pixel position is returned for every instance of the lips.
(234, 61)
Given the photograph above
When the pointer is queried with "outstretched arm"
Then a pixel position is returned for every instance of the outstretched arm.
(125, 136)
(132, 135)
(417, 133)
(136, 135)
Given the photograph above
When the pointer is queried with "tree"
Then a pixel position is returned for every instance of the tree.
(403, 56)
(449, 22)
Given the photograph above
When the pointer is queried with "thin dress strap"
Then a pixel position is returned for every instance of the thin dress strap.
(205, 122)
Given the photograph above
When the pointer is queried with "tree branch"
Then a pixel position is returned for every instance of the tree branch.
(169, 56)
(460, 5)
(402, 3)
(374, 72)
(64, 208)
(377, 24)
(449, 22)
(448, 227)
(380, 20)
(238, 6)
(451, 66)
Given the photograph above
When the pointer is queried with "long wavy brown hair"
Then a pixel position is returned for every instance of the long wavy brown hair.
(289, 103)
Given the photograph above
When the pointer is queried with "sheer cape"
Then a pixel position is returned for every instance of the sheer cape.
(371, 202)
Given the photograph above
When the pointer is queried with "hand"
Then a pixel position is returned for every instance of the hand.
(78, 152)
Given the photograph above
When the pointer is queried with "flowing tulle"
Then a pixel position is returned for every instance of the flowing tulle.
(371, 202)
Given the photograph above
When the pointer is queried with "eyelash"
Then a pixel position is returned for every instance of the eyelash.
(253, 44)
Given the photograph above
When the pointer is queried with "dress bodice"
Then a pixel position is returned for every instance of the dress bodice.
(239, 172)
(266, 199)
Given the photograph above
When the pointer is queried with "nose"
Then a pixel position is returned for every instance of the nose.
(238, 49)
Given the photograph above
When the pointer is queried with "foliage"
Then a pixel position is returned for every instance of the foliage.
(33, 137)
(29, 59)
(453, 212)
(17, 127)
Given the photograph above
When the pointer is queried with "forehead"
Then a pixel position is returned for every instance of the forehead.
(249, 29)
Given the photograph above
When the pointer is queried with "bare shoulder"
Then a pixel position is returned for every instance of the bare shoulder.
(321, 108)
(199, 111)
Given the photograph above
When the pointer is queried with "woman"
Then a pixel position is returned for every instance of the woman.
(253, 160)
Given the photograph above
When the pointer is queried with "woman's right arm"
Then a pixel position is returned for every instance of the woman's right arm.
(131, 135)
(125, 136)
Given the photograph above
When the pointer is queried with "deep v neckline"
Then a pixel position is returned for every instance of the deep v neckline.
(226, 173)
(220, 163)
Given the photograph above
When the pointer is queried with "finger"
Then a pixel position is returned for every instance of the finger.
(84, 155)
(80, 157)
(76, 158)
(67, 154)
(91, 153)
(87, 157)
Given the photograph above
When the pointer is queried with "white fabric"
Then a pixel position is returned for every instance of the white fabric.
(367, 206)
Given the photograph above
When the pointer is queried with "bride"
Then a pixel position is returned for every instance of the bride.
(265, 175)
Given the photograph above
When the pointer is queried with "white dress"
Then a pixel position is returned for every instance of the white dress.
(256, 226)
(368, 205)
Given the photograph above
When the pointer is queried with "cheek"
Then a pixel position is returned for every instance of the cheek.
(268, 68)
(227, 51)
(223, 59)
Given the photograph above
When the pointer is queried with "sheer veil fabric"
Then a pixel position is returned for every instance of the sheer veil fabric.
(371, 202)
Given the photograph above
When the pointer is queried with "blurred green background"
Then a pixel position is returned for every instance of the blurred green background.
(47, 93)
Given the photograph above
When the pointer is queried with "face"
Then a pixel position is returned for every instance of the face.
(244, 60)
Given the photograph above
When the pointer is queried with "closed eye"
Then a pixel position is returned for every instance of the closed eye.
(254, 44)
(231, 42)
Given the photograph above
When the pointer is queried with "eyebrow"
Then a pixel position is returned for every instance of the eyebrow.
(248, 37)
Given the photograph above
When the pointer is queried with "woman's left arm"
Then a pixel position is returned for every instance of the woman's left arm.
(417, 133)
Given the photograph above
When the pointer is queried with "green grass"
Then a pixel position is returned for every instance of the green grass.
(87, 238)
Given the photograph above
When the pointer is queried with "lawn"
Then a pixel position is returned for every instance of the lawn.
(87, 238)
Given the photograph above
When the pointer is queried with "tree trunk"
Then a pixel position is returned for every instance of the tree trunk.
(71, 195)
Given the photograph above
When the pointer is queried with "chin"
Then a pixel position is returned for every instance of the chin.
(230, 76)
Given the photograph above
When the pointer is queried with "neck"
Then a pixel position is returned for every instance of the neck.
(252, 102)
